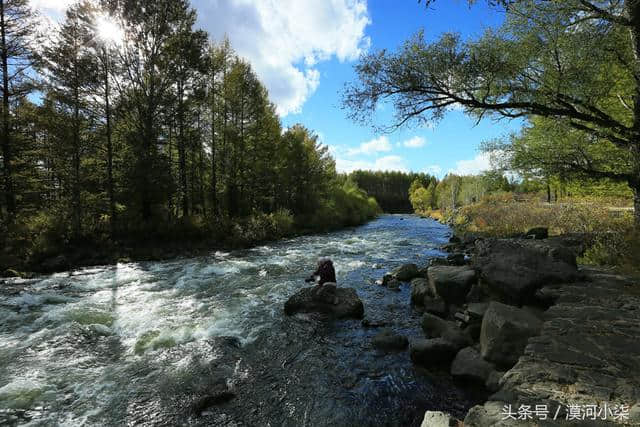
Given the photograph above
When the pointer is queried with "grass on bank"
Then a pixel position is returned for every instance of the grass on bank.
(606, 225)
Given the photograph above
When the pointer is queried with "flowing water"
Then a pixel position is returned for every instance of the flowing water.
(146, 343)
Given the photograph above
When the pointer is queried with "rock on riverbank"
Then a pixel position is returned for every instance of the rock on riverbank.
(566, 335)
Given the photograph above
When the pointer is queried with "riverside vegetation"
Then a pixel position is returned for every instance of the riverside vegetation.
(156, 144)
(599, 212)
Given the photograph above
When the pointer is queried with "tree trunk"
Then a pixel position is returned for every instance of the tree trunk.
(636, 205)
(224, 154)
(635, 185)
(10, 199)
(170, 151)
(182, 153)
(148, 139)
(214, 182)
(110, 185)
(548, 193)
(633, 11)
(75, 198)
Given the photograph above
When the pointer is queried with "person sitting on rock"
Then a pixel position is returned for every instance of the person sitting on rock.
(324, 271)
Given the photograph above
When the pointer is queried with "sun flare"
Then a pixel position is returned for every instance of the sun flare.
(108, 29)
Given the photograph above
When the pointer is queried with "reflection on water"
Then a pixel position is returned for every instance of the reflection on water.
(139, 342)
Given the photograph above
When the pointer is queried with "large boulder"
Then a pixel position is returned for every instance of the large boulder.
(438, 419)
(505, 332)
(451, 283)
(328, 299)
(470, 366)
(432, 351)
(493, 381)
(538, 233)
(435, 306)
(406, 272)
(476, 310)
(456, 259)
(388, 341)
(419, 290)
(435, 327)
(513, 270)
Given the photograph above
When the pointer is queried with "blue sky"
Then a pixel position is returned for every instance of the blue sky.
(304, 52)
(449, 145)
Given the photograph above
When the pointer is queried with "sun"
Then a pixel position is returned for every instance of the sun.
(108, 29)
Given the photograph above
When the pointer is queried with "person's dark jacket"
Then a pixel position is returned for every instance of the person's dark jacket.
(325, 271)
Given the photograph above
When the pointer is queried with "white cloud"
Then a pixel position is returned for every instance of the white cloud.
(387, 163)
(479, 164)
(415, 142)
(282, 39)
(285, 39)
(374, 146)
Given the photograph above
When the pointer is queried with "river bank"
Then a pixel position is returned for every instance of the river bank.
(606, 227)
(554, 342)
(154, 246)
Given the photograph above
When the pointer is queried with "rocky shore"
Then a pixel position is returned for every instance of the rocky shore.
(552, 343)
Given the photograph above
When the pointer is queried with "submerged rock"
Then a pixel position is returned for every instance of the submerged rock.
(217, 395)
(390, 282)
(328, 299)
(406, 272)
(451, 283)
(388, 340)
(505, 332)
(393, 285)
(432, 351)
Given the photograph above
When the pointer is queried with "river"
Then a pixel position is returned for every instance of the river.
(143, 343)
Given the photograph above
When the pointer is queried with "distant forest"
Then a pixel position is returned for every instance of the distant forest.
(391, 189)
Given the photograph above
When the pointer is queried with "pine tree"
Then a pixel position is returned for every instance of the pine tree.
(72, 74)
(17, 30)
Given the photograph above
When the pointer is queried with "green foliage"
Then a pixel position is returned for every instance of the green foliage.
(454, 191)
(553, 151)
(619, 247)
(391, 189)
(421, 199)
(165, 140)
(567, 66)
(448, 191)
(347, 204)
